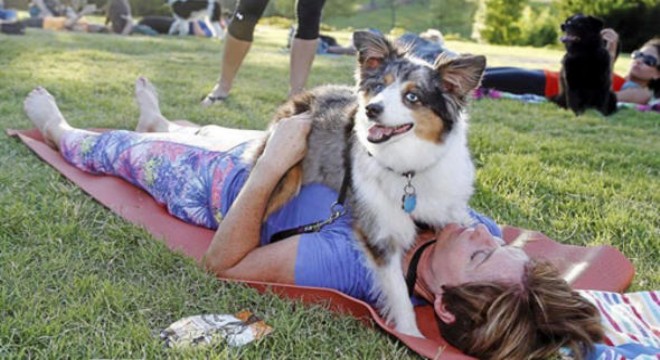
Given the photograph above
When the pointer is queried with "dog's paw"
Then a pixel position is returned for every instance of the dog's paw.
(409, 330)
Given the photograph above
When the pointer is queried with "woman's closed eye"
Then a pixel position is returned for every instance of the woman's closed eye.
(481, 256)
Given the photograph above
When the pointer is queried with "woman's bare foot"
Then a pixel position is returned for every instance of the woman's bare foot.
(151, 119)
(42, 110)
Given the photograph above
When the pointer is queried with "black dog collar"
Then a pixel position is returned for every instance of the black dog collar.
(411, 275)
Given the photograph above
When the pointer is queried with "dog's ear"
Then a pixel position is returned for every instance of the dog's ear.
(462, 74)
(596, 23)
(372, 49)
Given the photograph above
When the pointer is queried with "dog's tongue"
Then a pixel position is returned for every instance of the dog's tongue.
(379, 133)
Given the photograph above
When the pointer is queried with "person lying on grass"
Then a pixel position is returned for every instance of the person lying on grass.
(641, 85)
(68, 20)
(491, 301)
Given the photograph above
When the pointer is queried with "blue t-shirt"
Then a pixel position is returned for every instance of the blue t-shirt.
(331, 257)
(630, 85)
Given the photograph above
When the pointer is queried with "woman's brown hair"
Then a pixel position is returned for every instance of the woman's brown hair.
(527, 320)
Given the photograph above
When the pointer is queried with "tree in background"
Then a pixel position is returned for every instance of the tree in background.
(453, 16)
(538, 26)
(496, 21)
(590, 7)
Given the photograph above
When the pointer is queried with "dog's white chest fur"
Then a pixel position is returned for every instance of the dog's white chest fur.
(443, 184)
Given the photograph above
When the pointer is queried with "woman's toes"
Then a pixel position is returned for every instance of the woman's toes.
(42, 110)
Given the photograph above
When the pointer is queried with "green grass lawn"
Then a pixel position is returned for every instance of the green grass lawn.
(77, 280)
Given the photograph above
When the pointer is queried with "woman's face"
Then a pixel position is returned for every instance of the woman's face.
(641, 71)
(472, 254)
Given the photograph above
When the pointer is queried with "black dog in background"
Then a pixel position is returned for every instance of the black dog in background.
(586, 76)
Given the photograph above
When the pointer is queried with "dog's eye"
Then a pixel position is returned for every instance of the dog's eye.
(413, 98)
(378, 88)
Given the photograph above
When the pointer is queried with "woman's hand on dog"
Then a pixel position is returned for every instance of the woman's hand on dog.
(287, 144)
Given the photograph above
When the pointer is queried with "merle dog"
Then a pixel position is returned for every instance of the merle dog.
(586, 76)
(400, 137)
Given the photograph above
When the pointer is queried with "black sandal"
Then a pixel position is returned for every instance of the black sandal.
(209, 100)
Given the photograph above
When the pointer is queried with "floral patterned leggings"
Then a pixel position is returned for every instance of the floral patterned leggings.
(190, 181)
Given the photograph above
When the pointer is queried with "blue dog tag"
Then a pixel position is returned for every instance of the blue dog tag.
(409, 202)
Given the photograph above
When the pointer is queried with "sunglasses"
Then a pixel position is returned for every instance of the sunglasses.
(647, 59)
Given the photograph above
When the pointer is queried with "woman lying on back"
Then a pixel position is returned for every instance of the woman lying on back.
(491, 301)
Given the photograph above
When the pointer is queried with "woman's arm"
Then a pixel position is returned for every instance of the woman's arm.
(634, 95)
(234, 251)
(611, 39)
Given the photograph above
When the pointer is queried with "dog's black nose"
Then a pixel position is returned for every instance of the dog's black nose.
(374, 110)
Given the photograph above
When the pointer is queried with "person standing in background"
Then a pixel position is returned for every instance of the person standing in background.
(240, 36)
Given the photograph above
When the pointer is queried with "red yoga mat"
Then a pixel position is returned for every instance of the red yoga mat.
(597, 268)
